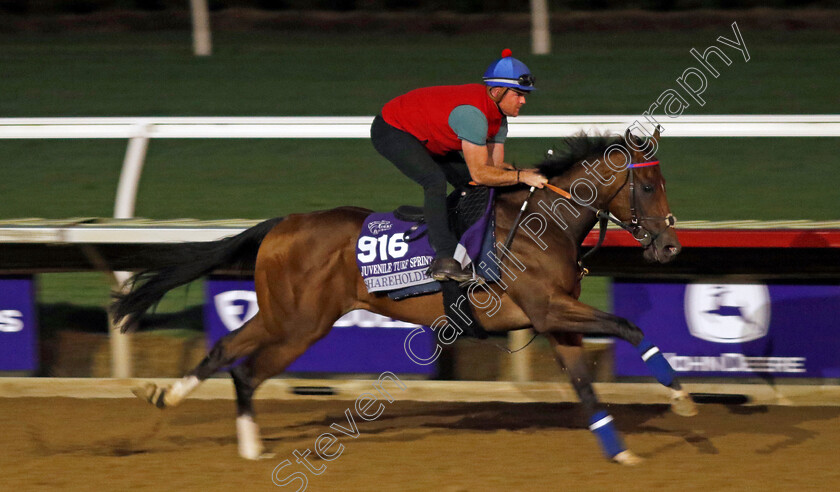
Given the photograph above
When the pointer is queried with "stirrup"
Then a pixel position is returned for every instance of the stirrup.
(443, 269)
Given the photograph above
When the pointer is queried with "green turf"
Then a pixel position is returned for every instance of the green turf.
(154, 74)
(713, 179)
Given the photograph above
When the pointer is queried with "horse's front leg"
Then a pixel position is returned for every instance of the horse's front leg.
(569, 354)
(568, 315)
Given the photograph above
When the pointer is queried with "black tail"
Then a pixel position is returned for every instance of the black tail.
(185, 263)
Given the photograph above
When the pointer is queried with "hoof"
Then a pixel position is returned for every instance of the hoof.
(628, 458)
(252, 451)
(682, 404)
(257, 457)
(151, 393)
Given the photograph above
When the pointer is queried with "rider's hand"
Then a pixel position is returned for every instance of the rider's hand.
(532, 178)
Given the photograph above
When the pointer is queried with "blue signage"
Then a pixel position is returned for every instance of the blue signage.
(360, 342)
(18, 329)
(731, 329)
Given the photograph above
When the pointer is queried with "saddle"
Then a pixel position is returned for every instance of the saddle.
(466, 207)
(393, 254)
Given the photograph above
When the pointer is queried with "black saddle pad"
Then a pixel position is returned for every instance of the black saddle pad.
(465, 208)
(409, 213)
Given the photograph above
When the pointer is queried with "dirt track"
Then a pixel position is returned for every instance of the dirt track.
(122, 444)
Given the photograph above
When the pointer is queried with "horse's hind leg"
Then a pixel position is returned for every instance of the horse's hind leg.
(569, 354)
(236, 344)
(267, 362)
(247, 430)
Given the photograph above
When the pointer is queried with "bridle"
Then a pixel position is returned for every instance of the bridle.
(636, 228)
(640, 232)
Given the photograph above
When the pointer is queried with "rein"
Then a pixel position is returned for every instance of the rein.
(635, 227)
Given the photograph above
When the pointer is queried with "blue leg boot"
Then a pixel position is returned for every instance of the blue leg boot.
(656, 362)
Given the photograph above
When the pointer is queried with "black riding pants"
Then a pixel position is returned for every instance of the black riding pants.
(432, 172)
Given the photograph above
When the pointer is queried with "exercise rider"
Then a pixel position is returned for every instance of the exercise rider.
(424, 133)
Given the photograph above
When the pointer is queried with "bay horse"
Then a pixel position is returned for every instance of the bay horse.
(306, 277)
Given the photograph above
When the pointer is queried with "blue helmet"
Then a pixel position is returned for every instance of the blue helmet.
(507, 71)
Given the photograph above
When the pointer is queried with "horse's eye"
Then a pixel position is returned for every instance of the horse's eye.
(647, 188)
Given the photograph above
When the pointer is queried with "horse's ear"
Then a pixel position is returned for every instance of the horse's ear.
(642, 149)
(632, 143)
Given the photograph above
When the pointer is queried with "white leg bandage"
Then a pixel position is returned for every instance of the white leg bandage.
(248, 435)
(183, 387)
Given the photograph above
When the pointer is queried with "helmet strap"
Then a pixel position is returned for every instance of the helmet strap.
(501, 95)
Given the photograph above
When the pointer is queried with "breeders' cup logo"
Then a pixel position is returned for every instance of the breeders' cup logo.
(378, 226)
(727, 313)
(235, 307)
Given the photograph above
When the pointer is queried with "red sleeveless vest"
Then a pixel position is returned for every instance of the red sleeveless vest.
(424, 113)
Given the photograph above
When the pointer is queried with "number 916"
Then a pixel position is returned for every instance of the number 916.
(389, 247)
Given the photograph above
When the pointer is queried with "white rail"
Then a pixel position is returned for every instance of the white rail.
(359, 126)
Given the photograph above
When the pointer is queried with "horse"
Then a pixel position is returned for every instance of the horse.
(306, 277)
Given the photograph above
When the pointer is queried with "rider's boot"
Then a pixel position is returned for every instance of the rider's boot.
(443, 269)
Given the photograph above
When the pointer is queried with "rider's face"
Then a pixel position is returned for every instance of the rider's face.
(511, 102)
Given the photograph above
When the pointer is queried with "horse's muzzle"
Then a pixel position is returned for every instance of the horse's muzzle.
(664, 248)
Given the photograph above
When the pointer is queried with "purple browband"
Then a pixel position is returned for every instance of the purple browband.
(644, 164)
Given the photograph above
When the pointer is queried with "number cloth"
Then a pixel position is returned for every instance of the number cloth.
(390, 262)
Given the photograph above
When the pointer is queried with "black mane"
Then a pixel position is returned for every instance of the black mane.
(578, 147)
